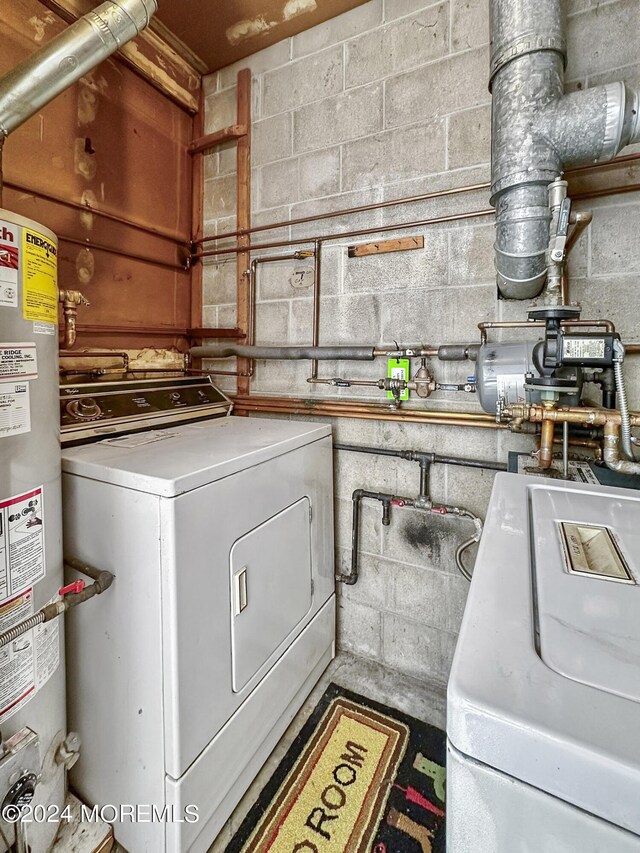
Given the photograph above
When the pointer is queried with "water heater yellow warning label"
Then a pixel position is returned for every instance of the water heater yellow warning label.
(39, 278)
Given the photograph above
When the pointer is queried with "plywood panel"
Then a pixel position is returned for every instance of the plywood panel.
(221, 32)
(117, 143)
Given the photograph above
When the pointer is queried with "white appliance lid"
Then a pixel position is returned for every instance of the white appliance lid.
(177, 460)
(545, 683)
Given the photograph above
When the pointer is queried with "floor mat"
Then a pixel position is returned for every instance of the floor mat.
(359, 778)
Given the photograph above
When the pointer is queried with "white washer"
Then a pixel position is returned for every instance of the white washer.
(544, 695)
(185, 674)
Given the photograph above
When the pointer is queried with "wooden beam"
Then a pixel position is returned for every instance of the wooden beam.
(149, 55)
(205, 143)
(244, 218)
(405, 244)
(237, 334)
(197, 223)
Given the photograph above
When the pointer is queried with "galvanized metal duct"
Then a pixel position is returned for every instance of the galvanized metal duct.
(538, 132)
(48, 72)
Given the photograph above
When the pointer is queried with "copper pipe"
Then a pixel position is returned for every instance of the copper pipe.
(586, 416)
(589, 444)
(339, 408)
(545, 452)
(145, 259)
(364, 208)
(272, 226)
(379, 229)
(607, 191)
(102, 214)
(133, 330)
(316, 304)
(97, 355)
(617, 161)
(539, 324)
(581, 221)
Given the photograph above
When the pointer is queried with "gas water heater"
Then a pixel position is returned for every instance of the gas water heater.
(32, 683)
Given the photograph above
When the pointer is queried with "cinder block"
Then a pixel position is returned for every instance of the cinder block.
(278, 280)
(422, 594)
(345, 26)
(401, 270)
(393, 155)
(406, 43)
(614, 240)
(271, 139)
(346, 116)
(279, 183)
(340, 224)
(471, 489)
(469, 138)
(471, 255)
(219, 197)
(417, 649)
(219, 282)
(272, 322)
(301, 322)
(350, 320)
(611, 297)
(370, 522)
(470, 24)
(320, 173)
(446, 86)
(309, 79)
(359, 629)
(265, 60)
(228, 317)
(364, 471)
(375, 578)
(599, 39)
(399, 8)
(424, 539)
(447, 315)
(220, 110)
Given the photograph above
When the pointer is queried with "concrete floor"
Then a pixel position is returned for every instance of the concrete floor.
(424, 701)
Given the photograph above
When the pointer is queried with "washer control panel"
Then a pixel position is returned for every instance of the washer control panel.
(98, 409)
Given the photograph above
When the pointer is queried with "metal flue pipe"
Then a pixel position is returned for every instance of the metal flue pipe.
(538, 132)
(45, 74)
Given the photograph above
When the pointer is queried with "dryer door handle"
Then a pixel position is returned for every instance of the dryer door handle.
(240, 599)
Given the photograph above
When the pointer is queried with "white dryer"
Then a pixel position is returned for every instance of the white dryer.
(543, 714)
(183, 677)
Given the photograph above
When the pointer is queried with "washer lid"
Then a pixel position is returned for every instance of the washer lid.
(545, 684)
(177, 460)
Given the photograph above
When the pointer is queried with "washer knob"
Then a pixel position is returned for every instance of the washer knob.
(84, 409)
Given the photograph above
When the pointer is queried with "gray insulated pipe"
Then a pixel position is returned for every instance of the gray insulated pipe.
(538, 132)
(48, 72)
(338, 353)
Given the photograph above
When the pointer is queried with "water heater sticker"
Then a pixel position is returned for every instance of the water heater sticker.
(15, 408)
(9, 265)
(44, 329)
(27, 663)
(17, 668)
(47, 649)
(18, 361)
(39, 278)
(22, 561)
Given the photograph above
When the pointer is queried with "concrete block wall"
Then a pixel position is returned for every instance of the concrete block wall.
(386, 101)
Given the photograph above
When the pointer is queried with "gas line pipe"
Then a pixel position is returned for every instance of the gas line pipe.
(423, 502)
(72, 595)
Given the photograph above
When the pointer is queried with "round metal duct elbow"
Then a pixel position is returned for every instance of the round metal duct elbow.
(45, 74)
(522, 238)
